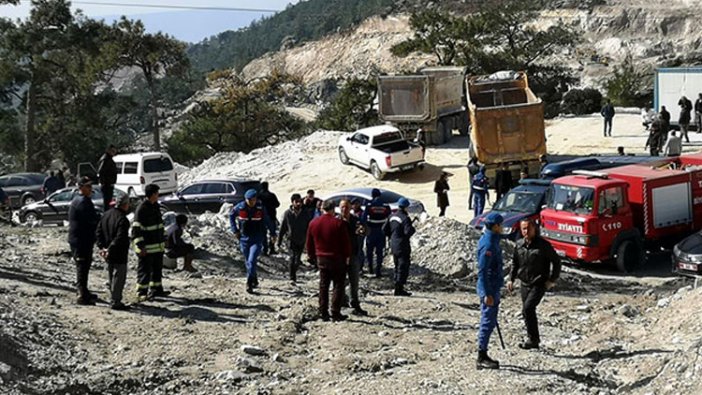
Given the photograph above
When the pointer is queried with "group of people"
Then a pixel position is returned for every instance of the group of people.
(660, 141)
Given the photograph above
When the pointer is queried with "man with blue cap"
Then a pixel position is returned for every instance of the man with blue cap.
(249, 222)
(490, 280)
(479, 190)
(399, 229)
(374, 217)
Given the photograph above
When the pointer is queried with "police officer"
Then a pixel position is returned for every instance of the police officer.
(374, 217)
(249, 222)
(148, 239)
(490, 280)
(82, 222)
(536, 264)
(479, 189)
(399, 228)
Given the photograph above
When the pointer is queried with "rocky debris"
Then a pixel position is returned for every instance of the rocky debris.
(253, 350)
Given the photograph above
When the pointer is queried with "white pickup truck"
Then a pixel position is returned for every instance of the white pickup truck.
(380, 149)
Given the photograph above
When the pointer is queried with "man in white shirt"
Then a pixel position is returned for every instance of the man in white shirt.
(673, 147)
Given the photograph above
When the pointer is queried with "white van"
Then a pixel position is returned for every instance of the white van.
(135, 171)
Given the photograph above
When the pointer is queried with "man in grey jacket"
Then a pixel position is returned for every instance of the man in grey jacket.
(295, 221)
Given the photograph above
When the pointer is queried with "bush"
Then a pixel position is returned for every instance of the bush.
(581, 101)
(628, 84)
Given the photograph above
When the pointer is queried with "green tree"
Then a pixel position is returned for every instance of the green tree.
(352, 108)
(627, 83)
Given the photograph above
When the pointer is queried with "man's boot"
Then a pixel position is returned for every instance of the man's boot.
(400, 291)
(357, 310)
(485, 362)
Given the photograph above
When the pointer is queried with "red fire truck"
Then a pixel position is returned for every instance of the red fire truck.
(615, 213)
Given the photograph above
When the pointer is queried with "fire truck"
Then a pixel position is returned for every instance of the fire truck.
(615, 214)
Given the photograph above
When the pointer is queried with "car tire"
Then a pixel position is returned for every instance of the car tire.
(30, 216)
(375, 171)
(29, 199)
(629, 256)
(343, 157)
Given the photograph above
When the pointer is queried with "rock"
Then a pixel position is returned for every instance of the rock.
(248, 365)
(278, 358)
(663, 303)
(253, 350)
(628, 311)
(230, 376)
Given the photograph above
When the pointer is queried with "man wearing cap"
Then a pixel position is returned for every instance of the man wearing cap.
(113, 242)
(82, 221)
(490, 281)
(249, 222)
(374, 217)
(399, 228)
(295, 221)
(148, 239)
(479, 188)
(271, 204)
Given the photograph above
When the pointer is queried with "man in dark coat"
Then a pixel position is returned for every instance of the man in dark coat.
(399, 229)
(176, 247)
(271, 203)
(51, 184)
(503, 182)
(82, 221)
(536, 264)
(375, 215)
(608, 114)
(113, 242)
(296, 220)
(473, 169)
(107, 173)
(353, 223)
(684, 120)
(441, 188)
(698, 113)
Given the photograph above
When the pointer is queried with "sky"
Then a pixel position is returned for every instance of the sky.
(190, 25)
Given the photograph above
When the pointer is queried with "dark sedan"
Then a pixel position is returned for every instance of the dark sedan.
(364, 196)
(23, 188)
(687, 256)
(207, 195)
(54, 209)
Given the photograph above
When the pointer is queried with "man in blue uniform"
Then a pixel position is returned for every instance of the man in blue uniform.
(82, 222)
(374, 217)
(479, 189)
(490, 280)
(249, 222)
(399, 228)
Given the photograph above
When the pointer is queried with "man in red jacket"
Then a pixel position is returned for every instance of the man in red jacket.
(329, 246)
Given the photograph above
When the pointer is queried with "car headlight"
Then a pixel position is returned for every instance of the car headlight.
(507, 230)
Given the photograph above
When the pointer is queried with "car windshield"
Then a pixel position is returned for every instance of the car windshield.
(388, 197)
(157, 165)
(520, 201)
(578, 200)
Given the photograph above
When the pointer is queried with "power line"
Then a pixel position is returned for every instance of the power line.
(173, 7)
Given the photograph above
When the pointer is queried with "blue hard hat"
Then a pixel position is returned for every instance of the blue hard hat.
(403, 203)
(493, 219)
(375, 192)
(250, 194)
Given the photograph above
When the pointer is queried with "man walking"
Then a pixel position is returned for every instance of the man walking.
(399, 228)
(353, 224)
(296, 220)
(608, 114)
(249, 222)
(113, 242)
(441, 188)
(176, 247)
(684, 119)
(503, 181)
(479, 189)
(148, 241)
(473, 170)
(490, 281)
(329, 246)
(271, 204)
(673, 147)
(536, 264)
(107, 173)
(374, 217)
(82, 221)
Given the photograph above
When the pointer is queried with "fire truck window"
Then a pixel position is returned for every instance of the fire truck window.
(611, 199)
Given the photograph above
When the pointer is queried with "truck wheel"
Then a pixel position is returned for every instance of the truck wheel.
(629, 256)
(375, 170)
(343, 157)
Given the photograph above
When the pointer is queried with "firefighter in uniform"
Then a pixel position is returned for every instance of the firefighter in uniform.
(399, 228)
(374, 217)
(249, 222)
(149, 242)
(479, 190)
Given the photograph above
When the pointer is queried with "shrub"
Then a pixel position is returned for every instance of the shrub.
(581, 101)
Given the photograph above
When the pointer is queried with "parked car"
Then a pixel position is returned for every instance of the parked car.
(135, 171)
(523, 201)
(23, 188)
(380, 149)
(388, 197)
(687, 256)
(207, 195)
(54, 209)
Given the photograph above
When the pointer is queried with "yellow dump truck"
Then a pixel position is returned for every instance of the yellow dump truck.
(507, 122)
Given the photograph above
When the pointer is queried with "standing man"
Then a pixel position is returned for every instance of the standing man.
(329, 246)
(473, 170)
(353, 224)
(698, 113)
(107, 173)
(51, 184)
(113, 242)
(374, 217)
(490, 281)
(608, 114)
(399, 228)
(536, 264)
(249, 222)
(684, 120)
(673, 147)
(479, 189)
(357, 210)
(148, 241)
(441, 188)
(82, 221)
(176, 247)
(296, 220)
(271, 204)
(654, 138)
(503, 181)
(310, 202)
(543, 160)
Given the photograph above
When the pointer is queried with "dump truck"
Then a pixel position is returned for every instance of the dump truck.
(507, 123)
(614, 215)
(433, 100)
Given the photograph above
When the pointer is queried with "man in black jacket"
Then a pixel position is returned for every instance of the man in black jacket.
(176, 247)
(82, 221)
(353, 223)
(399, 228)
(113, 242)
(149, 244)
(107, 173)
(271, 204)
(684, 119)
(295, 221)
(503, 182)
(536, 264)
